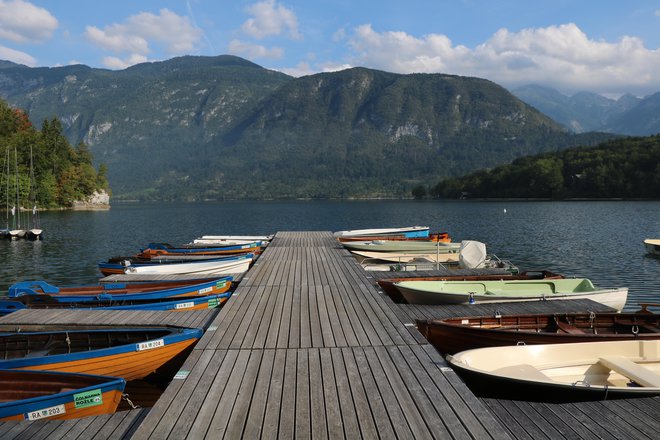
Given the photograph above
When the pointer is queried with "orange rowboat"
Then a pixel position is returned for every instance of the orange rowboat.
(127, 353)
(35, 395)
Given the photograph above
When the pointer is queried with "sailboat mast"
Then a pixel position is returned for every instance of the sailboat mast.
(7, 177)
(18, 200)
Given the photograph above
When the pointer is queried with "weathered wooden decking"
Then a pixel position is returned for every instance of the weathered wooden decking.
(308, 347)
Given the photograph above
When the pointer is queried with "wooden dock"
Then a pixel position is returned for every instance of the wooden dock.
(308, 347)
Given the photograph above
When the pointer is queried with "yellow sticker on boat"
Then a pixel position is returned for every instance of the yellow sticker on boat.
(45, 412)
(185, 305)
(149, 345)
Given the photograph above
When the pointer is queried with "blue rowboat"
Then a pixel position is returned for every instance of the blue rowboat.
(219, 286)
(129, 353)
(177, 305)
(35, 395)
(155, 249)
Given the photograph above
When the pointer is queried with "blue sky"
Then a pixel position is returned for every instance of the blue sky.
(604, 46)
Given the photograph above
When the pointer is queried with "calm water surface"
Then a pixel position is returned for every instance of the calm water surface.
(598, 240)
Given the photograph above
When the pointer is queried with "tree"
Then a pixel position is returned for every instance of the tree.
(419, 192)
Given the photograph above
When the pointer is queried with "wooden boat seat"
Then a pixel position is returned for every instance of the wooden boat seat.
(568, 328)
(523, 371)
(643, 376)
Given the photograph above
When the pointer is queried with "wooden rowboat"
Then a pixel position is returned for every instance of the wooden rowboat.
(35, 395)
(43, 301)
(476, 292)
(127, 353)
(452, 335)
(407, 257)
(219, 286)
(155, 249)
(388, 284)
(118, 265)
(409, 231)
(563, 372)
(401, 246)
(440, 236)
(233, 265)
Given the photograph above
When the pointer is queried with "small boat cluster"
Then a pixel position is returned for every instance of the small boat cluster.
(415, 248)
(546, 357)
(63, 374)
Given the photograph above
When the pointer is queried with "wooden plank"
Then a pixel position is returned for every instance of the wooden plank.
(287, 417)
(331, 397)
(286, 321)
(303, 421)
(327, 326)
(256, 411)
(171, 398)
(395, 412)
(247, 331)
(274, 398)
(348, 411)
(304, 318)
(363, 413)
(459, 396)
(246, 391)
(319, 428)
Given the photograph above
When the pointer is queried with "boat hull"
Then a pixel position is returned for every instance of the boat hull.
(200, 268)
(562, 372)
(459, 292)
(403, 257)
(176, 305)
(409, 232)
(42, 398)
(219, 286)
(388, 284)
(652, 246)
(130, 361)
(453, 335)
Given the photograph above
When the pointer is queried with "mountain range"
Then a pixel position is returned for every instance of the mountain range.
(585, 111)
(223, 127)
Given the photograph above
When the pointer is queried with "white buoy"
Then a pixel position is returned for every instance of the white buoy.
(505, 210)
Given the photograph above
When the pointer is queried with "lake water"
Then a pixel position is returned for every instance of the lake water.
(598, 240)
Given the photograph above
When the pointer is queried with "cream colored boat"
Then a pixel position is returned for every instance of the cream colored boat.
(405, 257)
(652, 246)
(563, 372)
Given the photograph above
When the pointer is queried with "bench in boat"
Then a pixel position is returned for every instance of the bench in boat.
(643, 376)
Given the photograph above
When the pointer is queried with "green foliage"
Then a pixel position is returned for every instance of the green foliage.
(62, 174)
(419, 192)
(620, 168)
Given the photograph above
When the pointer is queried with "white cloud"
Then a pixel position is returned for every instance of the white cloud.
(17, 56)
(250, 50)
(118, 63)
(559, 56)
(23, 22)
(137, 35)
(270, 18)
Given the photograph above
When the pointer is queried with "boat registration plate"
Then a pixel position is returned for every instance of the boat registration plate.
(150, 344)
(185, 305)
(45, 412)
(205, 290)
